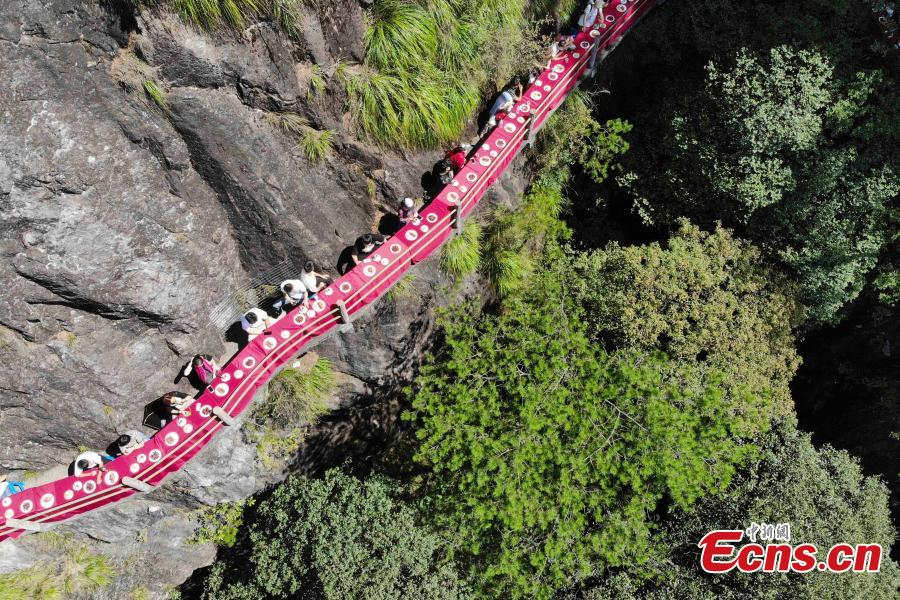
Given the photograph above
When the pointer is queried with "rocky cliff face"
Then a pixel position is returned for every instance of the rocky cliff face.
(126, 222)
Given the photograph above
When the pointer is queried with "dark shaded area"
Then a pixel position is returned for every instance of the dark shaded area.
(847, 392)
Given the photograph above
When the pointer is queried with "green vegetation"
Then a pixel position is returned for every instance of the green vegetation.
(140, 593)
(295, 397)
(314, 143)
(793, 146)
(275, 446)
(514, 242)
(461, 255)
(75, 570)
(341, 536)
(317, 82)
(211, 14)
(427, 63)
(404, 288)
(705, 299)
(573, 137)
(156, 93)
(547, 454)
(824, 496)
(220, 524)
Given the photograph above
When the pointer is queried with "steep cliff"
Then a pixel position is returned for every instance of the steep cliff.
(144, 180)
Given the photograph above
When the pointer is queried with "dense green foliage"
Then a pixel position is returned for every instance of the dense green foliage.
(794, 146)
(461, 255)
(220, 524)
(547, 454)
(331, 539)
(576, 429)
(572, 137)
(427, 63)
(821, 493)
(295, 396)
(707, 300)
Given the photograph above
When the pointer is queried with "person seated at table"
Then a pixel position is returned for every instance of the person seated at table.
(130, 441)
(457, 156)
(293, 293)
(502, 106)
(562, 43)
(254, 322)
(590, 14)
(365, 245)
(408, 213)
(177, 403)
(203, 366)
(8, 488)
(314, 281)
(88, 461)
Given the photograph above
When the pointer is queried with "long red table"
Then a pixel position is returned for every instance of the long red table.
(259, 360)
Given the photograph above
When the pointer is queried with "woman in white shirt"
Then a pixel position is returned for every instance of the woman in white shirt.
(254, 322)
(294, 292)
(314, 281)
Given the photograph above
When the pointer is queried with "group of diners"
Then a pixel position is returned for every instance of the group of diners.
(202, 368)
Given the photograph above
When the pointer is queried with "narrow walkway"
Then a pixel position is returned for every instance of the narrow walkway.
(301, 329)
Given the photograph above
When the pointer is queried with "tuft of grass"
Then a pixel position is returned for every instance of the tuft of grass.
(317, 83)
(287, 122)
(462, 254)
(156, 93)
(416, 110)
(273, 447)
(76, 571)
(220, 524)
(316, 144)
(401, 35)
(140, 593)
(287, 14)
(295, 397)
(209, 14)
(404, 288)
(427, 62)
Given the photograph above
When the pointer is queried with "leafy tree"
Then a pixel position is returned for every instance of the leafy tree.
(335, 538)
(821, 493)
(573, 137)
(705, 299)
(797, 154)
(547, 454)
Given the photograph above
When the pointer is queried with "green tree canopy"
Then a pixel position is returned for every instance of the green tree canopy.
(705, 299)
(821, 493)
(547, 454)
(332, 539)
(797, 154)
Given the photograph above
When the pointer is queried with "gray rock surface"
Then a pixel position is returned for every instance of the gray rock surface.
(124, 223)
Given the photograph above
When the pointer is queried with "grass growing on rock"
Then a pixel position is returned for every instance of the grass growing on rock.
(461, 255)
(429, 62)
(76, 570)
(405, 287)
(314, 143)
(219, 524)
(156, 93)
(297, 397)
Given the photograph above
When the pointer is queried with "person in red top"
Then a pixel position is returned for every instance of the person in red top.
(451, 164)
(457, 158)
